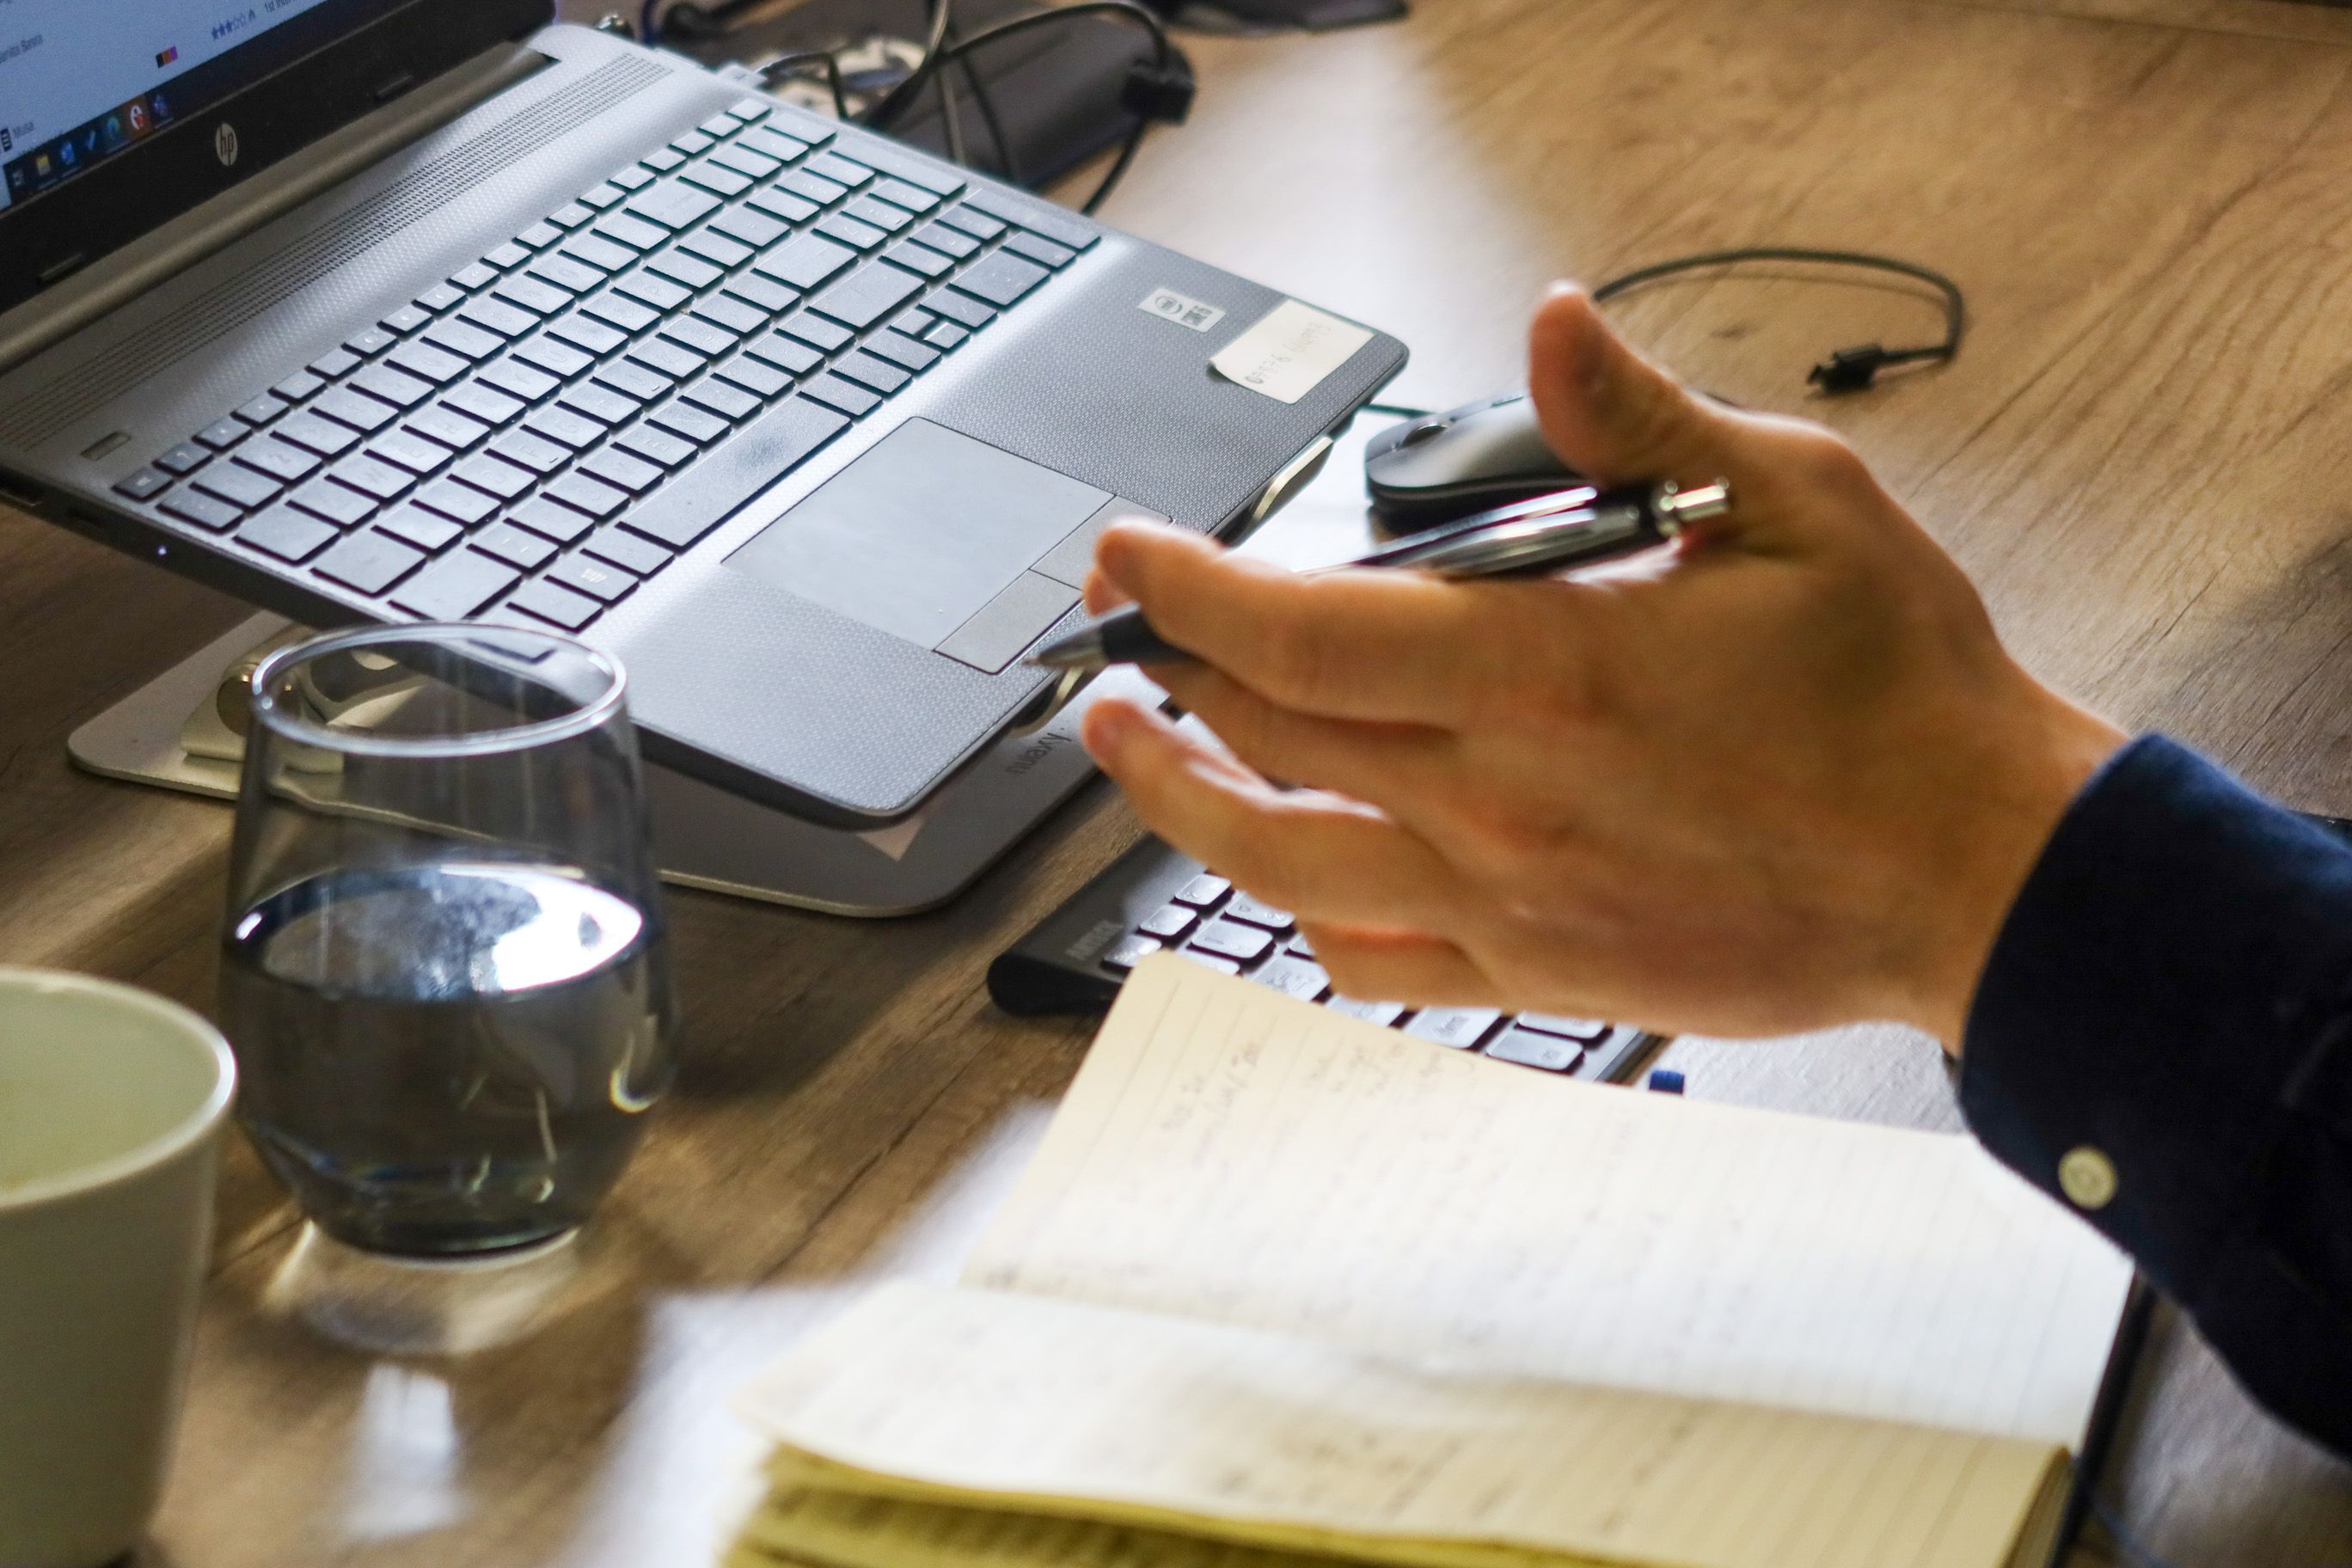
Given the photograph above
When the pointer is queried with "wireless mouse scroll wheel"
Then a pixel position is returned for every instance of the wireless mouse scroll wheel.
(1423, 431)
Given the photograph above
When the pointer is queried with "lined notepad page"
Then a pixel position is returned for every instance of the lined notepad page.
(1231, 1154)
(1159, 1431)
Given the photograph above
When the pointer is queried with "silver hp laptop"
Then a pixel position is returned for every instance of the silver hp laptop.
(424, 310)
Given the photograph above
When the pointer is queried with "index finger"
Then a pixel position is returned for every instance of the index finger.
(1380, 645)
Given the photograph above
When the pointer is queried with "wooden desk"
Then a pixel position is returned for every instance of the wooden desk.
(2138, 456)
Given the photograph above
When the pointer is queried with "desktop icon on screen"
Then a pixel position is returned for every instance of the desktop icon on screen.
(162, 110)
(167, 56)
(138, 113)
(66, 152)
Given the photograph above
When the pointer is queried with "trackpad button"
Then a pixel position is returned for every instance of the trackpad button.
(921, 534)
(1010, 623)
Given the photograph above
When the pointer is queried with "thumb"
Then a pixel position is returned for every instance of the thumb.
(1609, 413)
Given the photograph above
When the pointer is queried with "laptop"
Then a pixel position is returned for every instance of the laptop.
(428, 310)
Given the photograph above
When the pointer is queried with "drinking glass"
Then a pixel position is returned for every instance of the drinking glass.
(445, 968)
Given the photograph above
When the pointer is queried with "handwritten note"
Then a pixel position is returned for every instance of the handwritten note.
(1286, 352)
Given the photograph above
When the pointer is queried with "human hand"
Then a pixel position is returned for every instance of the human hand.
(1779, 776)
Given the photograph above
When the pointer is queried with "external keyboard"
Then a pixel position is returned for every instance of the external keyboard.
(1153, 898)
(556, 422)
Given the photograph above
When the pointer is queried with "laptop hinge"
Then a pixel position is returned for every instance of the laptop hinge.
(91, 290)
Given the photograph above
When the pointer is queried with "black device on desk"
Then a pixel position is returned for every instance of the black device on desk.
(533, 322)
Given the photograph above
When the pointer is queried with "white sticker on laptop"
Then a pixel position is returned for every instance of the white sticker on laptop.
(1289, 352)
(1181, 308)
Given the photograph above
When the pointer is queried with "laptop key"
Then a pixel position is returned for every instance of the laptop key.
(655, 446)
(747, 161)
(539, 236)
(903, 351)
(816, 331)
(144, 485)
(693, 143)
(400, 390)
(687, 270)
(603, 198)
(203, 510)
(649, 288)
(722, 398)
(562, 272)
(592, 496)
(674, 359)
(847, 397)
(295, 388)
(1460, 1027)
(235, 483)
(872, 370)
(335, 363)
(502, 479)
(714, 489)
(587, 334)
(760, 380)
(1380, 1013)
(406, 320)
(411, 452)
(717, 249)
(806, 262)
(526, 450)
(600, 403)
(421, 360)
(558, 606)
(785, 205)
(530, 294)
(365, 414)
(867, 296)
(972, 221)
(1069, 231)
(184, 459)
(334, 503)
(785, 354)
(684, 419)
(960, 309)
(518, 382)
(549, 521)
(468, 343)
(1041, 250)
(621, 312)
(843, 171)
(457, 431)
(1294, 977)
(515, 546)
(278, 459)
(920, 259)
(221, 435)
(560, 424)
(899, 193)
(424, 531)
(557, 358)
(948, 241)
(507, 256)
(261, 410)
(621, 471)
(877, 215)
(716, 182)
(440, 297)
(475, 277)
(594, 250)
(489, 404)
(459, 503)
(850, 232)
(635, 233)
(585, 575)
(498, 316)
(287, 534)
(1585, 1030)
(631, 552)
(371, 562)
(726, 310)
(1242, 944)
(672, 205)
(370, 342)
(372, 477)
(774, 144)
(706, 338)
(1529, 1048)
(636, 380)
(754, 230)
(664, 160)
(455, 586)
(1000, 279)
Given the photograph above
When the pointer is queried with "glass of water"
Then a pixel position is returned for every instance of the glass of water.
(444, 969)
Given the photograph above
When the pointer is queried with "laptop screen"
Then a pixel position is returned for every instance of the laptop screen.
(84, 80)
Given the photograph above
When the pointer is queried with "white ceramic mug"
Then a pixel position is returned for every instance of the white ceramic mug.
(111, 1106)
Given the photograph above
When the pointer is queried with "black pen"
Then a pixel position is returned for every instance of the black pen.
(1550, 533)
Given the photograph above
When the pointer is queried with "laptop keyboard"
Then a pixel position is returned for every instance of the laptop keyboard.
(558, 421)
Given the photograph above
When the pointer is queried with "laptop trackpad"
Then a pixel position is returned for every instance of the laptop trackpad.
(923, 532)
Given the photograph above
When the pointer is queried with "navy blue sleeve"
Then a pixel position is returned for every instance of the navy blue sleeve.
(2162, 1037)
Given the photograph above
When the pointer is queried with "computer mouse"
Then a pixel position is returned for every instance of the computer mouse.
(1444, 466)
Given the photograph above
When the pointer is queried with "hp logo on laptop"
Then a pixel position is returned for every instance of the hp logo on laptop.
(225, 144)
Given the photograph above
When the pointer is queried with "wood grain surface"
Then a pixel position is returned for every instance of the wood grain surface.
(2138, 455)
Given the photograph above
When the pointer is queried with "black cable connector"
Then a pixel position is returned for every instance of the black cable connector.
(1158, 94)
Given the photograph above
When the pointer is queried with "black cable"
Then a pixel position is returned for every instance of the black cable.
(1007, 163)
(902, 97)
(784, 65)
(1398, 410)
(1848, 369)
(650, 22)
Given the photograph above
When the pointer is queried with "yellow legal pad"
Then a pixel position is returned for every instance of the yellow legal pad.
(1284, 1287)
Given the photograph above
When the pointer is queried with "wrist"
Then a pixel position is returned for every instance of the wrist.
(2031, 759)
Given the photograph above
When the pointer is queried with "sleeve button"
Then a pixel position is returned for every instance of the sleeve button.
(2087, 1177)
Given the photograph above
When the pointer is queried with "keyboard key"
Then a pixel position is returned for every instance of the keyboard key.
(369, 562)
(507, 256)
(850, 232)
(1256, 912)
(603, 198)
(843, 171)
(334, 503)
(400, 390)
(758, 379)
(813, 188)
(785, 354)
(1529, 1048)
(1036, 218)
(963, 311)
(584, 494)
(692, 144)
(600, 403)
(280, 461)
(806, 262)
(444, 425)
(1294, 977)
(144, 485)
(422, 361)
(502, 479)
(465, 341)
(655, 446)
(515, 546)
(1460, 1027)
(554, 358)
(672, 205)
(879, 214)
(459, 503)
(262, 409)
(774, 144)
(621, 471)
(498, 316)
(221, 435)
(635, 233)
(1127, 952)
(373, 476)
(716, 180)
(971, 221)
(712, 490)
(726, 310)
(560, 424)
(919, 259)
(948, 241)
(558, 606)
(755, 231)
(571, 216)
(673, 360)
(530, 294)
(407, 320)
(1000, 280)
(1585, 1030)
(722, 398)
(686, 270)
(1243, 944)
(335, 365)
(1169, 923)
(562, 272)
(878, 375)
(583, 574)
(620, 312)
(706, 338)
(440, 299)
(634, 179)
(455, 586)
(784, 205)
(203, 510)
(184, 459)
(240, 486)
(903, 351)
(295, 388)
(694, 423)
(594, 250)
(947, 335)
(549, 521)
(899, 193)
(846, 395)
(747, 161)
(370, 342)
(589, 335)
(518, 380)
(637, 380)
(867, 296)
(426, 532)
(649, 288)
(539, 236)
(1380, 1013)
(1044, 252)
(529, 451)
(632, 552)
(287, 534)
(816, 331)
(664, 161)
(476, 278)
(411, 452)
(720, 126)
(486, 403)
(1203, 891)
(750, 111)
(717, 249)
(365, 414)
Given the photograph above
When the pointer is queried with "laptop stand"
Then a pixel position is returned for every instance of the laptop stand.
(170, 733)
